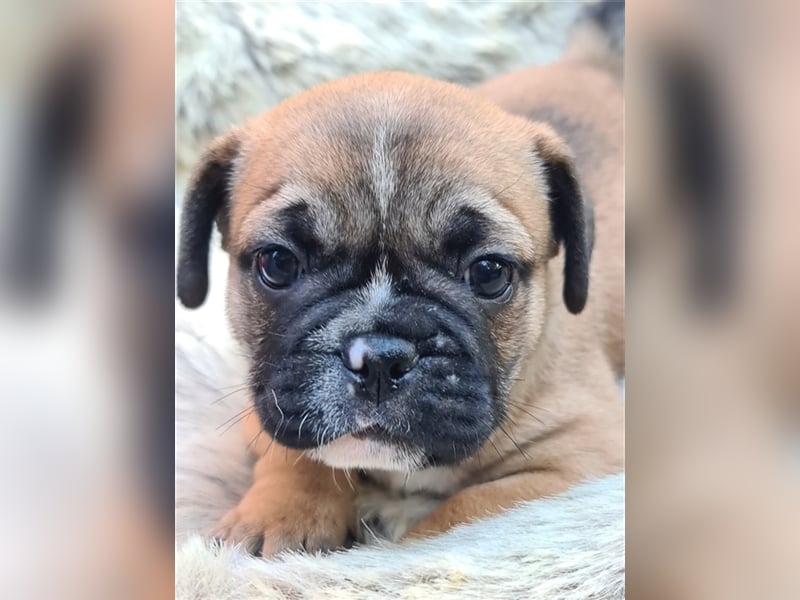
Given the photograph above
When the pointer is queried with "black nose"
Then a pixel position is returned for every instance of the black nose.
(379, 362)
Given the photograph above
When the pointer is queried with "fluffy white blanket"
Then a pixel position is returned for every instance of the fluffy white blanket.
(568, 547)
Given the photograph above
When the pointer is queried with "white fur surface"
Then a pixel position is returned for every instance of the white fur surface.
(561, 548)
(236, 59)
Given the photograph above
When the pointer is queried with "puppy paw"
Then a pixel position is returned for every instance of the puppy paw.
(268, 521)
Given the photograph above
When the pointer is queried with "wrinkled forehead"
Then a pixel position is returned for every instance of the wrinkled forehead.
(400, 187)
(427, 217)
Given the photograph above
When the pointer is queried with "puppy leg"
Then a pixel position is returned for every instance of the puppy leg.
(293, 504)
(487, 499)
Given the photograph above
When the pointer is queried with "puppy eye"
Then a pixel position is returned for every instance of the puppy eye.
(278, 267)
(489, 278)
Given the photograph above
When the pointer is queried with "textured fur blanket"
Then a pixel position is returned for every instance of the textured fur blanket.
(567, 547)
(571, 546)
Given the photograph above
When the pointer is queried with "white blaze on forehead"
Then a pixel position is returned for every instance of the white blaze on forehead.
(378, 292)
(359, 317)
(383, 172)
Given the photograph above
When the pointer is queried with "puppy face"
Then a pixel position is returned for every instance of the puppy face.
(389, 240)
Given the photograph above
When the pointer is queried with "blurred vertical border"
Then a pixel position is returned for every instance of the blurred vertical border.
(87, 299)
(712, 285)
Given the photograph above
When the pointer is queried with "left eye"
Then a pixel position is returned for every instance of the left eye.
(278, 267)
(489, 278)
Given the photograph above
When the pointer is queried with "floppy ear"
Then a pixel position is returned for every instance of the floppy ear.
(206, 201)
(571, 217)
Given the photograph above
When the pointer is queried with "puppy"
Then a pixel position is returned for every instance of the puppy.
(429, 290)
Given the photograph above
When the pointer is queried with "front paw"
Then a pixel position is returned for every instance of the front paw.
(266, 524)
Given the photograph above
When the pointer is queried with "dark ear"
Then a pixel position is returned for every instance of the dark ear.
(571, 218)
(206, 201)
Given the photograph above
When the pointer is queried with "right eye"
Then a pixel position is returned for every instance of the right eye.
(277, 267)
(489, 278)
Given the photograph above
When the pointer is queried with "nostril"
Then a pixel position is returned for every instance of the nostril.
(397, 371)
(402, 367)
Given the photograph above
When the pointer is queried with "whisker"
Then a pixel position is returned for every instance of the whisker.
(236, 391)
(495, 448)
(223, 388)
(255, 438)
(244, 412)
(375, 538)
(269, 447)
(513, 441)
(286, 425)
(526, 411)
(278, 407)
(306, 414)
(478, 454)
(349, 480)
(324, 435)
(532, 407)
(336, 483)
(236, 422)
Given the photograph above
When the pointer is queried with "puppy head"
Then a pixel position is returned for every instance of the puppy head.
(389, 239)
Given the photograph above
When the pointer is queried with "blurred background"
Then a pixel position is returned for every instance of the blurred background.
(86, 299)
(712, 286)
(103, 109)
